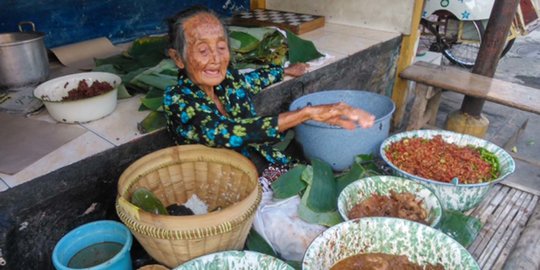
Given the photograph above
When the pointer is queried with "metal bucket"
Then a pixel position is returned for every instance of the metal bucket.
(23, 58)
(335, 145)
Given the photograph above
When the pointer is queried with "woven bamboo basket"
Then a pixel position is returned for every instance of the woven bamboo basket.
(222, 178)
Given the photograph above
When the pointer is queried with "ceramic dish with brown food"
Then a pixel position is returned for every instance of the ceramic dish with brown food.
(80, 97)
(389, 196)
(420, 244)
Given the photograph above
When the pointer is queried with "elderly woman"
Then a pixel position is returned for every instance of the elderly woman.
(212, 104)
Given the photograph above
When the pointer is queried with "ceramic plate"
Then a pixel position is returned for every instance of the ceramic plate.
(362, 189)
(233, 260)
(420, 243)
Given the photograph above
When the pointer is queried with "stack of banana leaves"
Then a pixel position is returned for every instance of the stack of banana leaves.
(319, 189)
(145, 67)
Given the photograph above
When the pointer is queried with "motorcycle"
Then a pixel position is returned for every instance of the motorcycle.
(455, 28)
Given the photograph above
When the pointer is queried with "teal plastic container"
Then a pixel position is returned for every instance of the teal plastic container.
(91, 240)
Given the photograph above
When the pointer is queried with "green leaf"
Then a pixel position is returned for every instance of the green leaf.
(153, 121)
(246, 42)
(257, 32)
(148, 201)
(328, 219)
(155, 93)
(295, 264)
(122, 92)
(255, 242)
(356, 172)
(282, 145)
(461, 227)
(301, 50)
(155, 80)
(307, 175)
(290, 183)
(153, 104)
(148, 45)
(322, 192)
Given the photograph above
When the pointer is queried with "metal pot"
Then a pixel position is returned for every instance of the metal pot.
(23, 58)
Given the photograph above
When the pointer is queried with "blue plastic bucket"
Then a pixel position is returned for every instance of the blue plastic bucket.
(93, 234)
(338, 146)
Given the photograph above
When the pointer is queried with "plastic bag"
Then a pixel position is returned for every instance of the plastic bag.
(278, 223)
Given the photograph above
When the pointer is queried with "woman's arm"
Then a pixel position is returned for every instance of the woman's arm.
(338, 114)
(264, 77)
(202, 123)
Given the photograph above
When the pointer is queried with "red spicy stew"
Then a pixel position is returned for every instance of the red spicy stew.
(438, 160)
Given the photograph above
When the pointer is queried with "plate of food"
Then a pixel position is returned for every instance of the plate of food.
(390, 196)
(379, 241)
(459, 168)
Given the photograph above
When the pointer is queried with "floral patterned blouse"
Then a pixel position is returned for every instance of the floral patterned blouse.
(194, 118)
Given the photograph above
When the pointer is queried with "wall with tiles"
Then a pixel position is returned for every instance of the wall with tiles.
(69, 21)
(386, 15)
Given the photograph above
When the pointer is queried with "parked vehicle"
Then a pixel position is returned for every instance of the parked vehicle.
(456, 28)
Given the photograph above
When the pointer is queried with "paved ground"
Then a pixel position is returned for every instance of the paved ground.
(517, 131)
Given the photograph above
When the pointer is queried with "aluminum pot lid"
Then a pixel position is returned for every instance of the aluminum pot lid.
(17, 38)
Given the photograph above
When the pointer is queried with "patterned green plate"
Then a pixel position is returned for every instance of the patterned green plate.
(363, 188)
(460, 197)
(235, 260)
(420, 243)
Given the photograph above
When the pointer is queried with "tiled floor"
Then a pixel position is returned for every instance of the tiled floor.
(113, 130)
(3, 185)
(334, 40)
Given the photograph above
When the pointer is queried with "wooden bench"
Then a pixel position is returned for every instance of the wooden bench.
(431, 78)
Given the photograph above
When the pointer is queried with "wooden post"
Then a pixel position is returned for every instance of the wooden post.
(255, 4)
(469, 119)
(492, 45)
(406, 56)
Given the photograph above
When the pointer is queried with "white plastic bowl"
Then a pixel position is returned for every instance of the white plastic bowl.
(78, 111)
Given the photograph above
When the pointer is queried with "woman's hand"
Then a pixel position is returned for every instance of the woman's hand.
(343, 115)
(338, 114)
(296, 70)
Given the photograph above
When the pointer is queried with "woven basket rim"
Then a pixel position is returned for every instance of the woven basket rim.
(136, 219)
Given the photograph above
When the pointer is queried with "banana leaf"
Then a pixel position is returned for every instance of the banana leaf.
(328, 218)
(363, 166)
(157, 81)
(290, 183)
(153, 121)
(123, 92)
(257, 32)
(283, 144)
(271, 50)
(295, 264)
(149, 45)
(461, 227)
(255, 242)
(144, 52)
(152, 103)
(301, 50)
(246, 42)
(321, 194)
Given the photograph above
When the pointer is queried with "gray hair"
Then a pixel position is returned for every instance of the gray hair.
(177, 36)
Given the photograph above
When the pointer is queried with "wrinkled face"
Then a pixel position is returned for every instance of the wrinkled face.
(207, 52)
